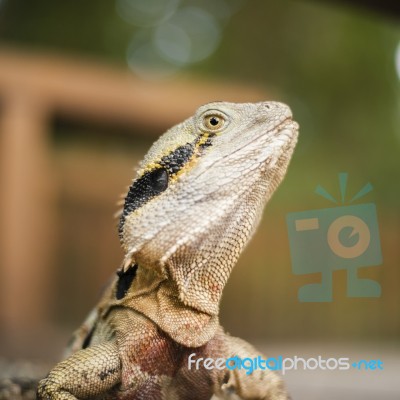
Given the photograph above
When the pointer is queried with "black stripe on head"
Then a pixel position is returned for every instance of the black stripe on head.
(149, 185)
(176, 160)
(154, 182)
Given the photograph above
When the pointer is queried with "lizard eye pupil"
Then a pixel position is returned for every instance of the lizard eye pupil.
(214, 122)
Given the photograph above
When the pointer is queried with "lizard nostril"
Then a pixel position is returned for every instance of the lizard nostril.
(268, 105)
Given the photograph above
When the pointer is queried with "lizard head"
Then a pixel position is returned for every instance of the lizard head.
(199, 194)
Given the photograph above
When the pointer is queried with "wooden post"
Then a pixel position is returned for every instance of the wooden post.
(25, 214)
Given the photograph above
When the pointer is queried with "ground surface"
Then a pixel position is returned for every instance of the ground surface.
(352, 384)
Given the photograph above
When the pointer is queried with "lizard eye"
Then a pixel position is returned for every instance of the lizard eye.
(214, 122)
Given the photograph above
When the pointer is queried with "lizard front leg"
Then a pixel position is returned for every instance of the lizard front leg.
(237, 385)
(89, 372)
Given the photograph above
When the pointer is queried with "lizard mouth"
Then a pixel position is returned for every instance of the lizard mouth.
(286, 131)
(289, 129)
(287, 125)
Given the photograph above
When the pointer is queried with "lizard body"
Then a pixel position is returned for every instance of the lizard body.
(195, 202)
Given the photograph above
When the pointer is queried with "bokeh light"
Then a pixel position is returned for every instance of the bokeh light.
(146, 61)
(397, 59)
(146, 13)
(192, 30)
(172, 35)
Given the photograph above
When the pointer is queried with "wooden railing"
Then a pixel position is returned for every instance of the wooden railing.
(33, 89)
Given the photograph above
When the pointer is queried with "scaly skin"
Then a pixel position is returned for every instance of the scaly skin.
(196, 201)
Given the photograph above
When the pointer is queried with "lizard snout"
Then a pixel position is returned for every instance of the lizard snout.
(274, 110)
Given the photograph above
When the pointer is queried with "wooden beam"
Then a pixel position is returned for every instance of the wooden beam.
(87, 90)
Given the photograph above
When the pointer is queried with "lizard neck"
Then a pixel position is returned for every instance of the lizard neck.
(184, 324)
(154, 295)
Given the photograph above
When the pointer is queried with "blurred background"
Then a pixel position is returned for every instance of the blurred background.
(86, 87)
